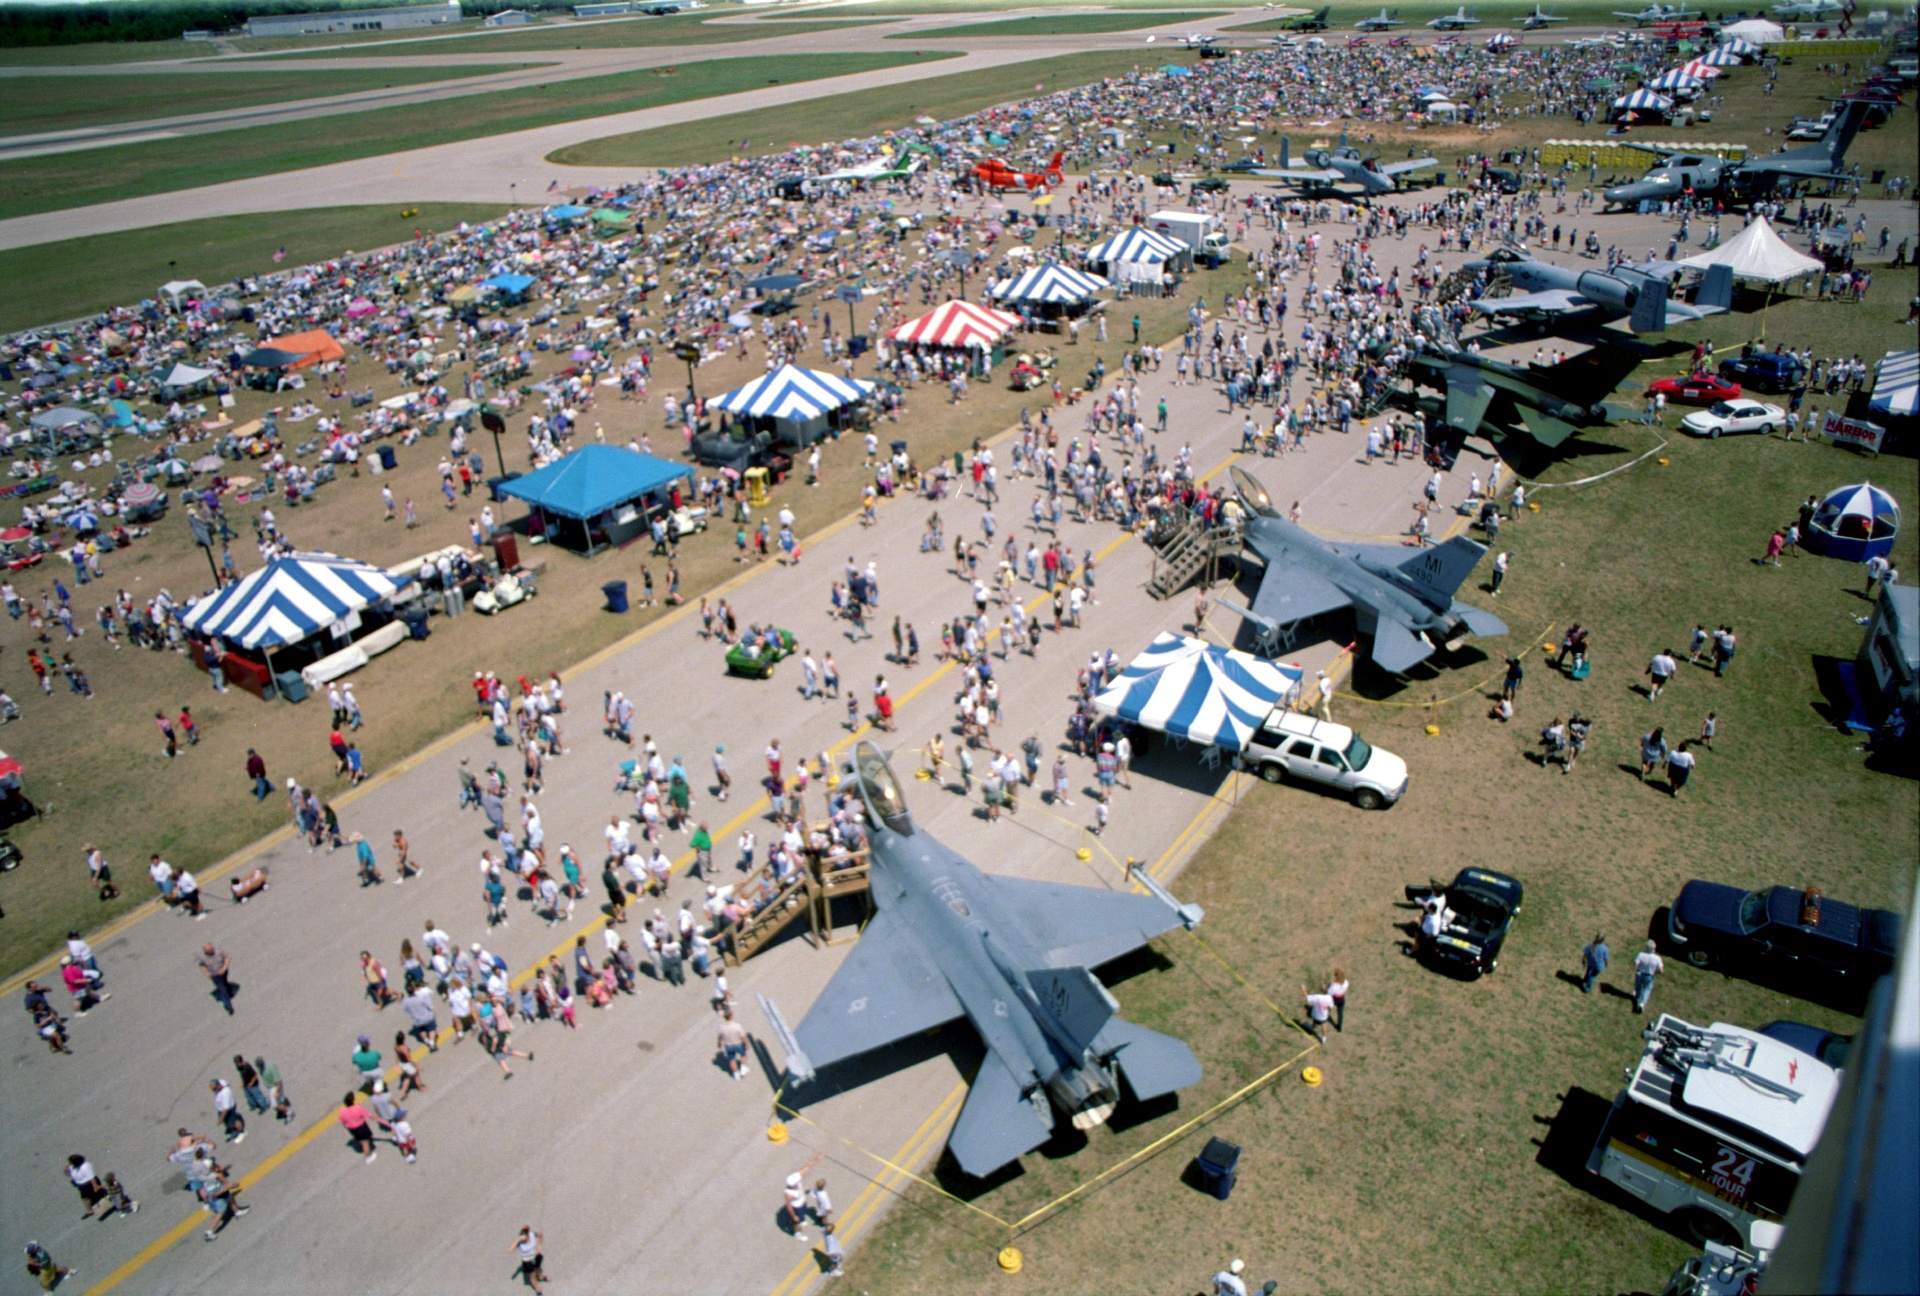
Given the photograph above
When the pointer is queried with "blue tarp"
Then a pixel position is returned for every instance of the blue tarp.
(513, 285)
(566, 213)
(593, 479)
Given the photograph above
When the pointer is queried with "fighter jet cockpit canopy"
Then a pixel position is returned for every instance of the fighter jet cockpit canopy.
(1251, 492)
(880, 789)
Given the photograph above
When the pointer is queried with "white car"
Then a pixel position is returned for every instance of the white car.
(1735, 416)
(1297, 746)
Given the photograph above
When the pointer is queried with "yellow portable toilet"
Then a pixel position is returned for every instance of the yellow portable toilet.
(757, 486)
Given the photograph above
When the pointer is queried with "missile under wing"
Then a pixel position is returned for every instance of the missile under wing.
(1013, 957)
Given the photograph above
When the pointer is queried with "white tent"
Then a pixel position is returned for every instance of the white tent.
(1753, 29)
(178, 288)
(1896, 392)
(186, 375)
(1756, 252)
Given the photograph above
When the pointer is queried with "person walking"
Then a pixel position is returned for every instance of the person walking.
(250, 1084)
(1500, 563)
(45, 1270)
(218, 967)
(1516, 672)
(276, 1088)
(532, 1262)
(1337, 991)
(1660, 669)
(1228, 1281)
(1647, 965)
(1325, 689)
(1679, 769)
(81, 1174)
(227, 1108)
(357, 1121)
(1653, 752)
(1319, 1012)
(733, 1044)
(1593, 961)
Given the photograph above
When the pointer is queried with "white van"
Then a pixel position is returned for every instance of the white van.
(1293, 745)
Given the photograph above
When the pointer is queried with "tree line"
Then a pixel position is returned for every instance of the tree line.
(159, 20)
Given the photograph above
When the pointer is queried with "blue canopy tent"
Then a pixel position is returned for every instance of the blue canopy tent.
(598, 492)
(514, 289)
(567, 213)
(800, 404)
(292, 601)
(1194, 691)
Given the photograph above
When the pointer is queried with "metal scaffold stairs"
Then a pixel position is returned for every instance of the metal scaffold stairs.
(807, 893)
(1190, 550)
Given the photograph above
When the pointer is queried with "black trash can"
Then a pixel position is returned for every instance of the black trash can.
(616, 592)
(387, 461)
(1216, 1166)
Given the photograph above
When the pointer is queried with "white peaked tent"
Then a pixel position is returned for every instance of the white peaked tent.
(1752, 29)
(1756, 252)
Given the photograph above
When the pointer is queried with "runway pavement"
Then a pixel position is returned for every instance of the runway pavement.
(642, 1162)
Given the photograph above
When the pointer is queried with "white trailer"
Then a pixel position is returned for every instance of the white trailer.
(1201, 231)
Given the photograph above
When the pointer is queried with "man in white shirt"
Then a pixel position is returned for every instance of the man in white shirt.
(1228, 1281)
(1647, 964)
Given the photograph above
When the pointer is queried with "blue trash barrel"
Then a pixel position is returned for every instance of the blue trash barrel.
(1218, 1167)
(387, 460)
(616, 592)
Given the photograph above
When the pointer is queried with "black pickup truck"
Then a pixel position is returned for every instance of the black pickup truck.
(1710, 924)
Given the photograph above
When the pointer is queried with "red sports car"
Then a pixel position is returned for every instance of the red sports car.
(1695, 389)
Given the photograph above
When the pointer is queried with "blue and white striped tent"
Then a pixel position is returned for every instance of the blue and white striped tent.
(1187, 688)
(1643, 100)
(1721, 56)
(790, 393)
(291, 599)
(1050, 284)
(1142, 245)
(1677, 80)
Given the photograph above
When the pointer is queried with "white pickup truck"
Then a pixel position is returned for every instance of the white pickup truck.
(1291, 745)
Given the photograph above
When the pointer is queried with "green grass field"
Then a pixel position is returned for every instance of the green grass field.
(125, 171)
(639, 33)
(105, 52)
(1493, 17)
(1066, 24)
(32, 104)
(1463, 1111)
(843, 116)
(57, 281)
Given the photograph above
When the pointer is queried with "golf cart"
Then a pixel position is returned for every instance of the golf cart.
(1031, 370)
(759, 651)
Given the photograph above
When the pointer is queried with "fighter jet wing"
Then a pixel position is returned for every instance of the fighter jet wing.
(998, 1123)
(1468, 399)
(1411, 164)
(1550, 301)
(1288, 594)
(1077, 926)
(1154, 1064)
(1293, 173)
(1397, 649)
(885, 991)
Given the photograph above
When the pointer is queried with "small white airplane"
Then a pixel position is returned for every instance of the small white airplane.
(1538, 19)
(1808, 10)
(884, 167)
(1381, 21)
(1458, 21)
(1658, 13)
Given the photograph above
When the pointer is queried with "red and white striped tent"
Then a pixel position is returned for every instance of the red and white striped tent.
(958, 324)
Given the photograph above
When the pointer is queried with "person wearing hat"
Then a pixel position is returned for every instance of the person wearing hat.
(795, 1210)
(40, 1264)
(1107, 768)
(1228, 1281)
(227, 1108)
(1325, 686)
(369, 871)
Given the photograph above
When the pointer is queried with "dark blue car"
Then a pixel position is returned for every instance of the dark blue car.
(1766, 371)
(1710, 924)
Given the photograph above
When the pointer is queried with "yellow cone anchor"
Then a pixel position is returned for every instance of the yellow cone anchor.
(1312, 1076)
(1009, 1259)
(777, 1132)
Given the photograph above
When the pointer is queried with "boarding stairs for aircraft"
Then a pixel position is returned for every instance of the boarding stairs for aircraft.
(1189, 549)
(1462, 282)
(808, 893)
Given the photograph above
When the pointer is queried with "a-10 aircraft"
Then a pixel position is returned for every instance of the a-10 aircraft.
(1315, 21)
(1322, 169)
(1380, 21)
(1014, 958)
(1404, 600)
(1808, 10)
(1457, 21)
(1657, 13)
(1707, 174)
(1640, 293)
(1537, 19)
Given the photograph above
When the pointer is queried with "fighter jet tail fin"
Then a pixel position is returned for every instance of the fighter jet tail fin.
(999, 1123)
(1286, 153)
(1076, 1001)
(1439, 571)
(1839, 136)
(1154, 1064)
(1650, 307)
(1716, 290)
(1397, 649)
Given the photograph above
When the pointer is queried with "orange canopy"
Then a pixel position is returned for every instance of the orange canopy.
(312, 347)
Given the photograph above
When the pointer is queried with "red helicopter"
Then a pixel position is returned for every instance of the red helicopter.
(998, 176)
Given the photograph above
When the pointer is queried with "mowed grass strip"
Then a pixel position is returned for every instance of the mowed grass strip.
(50, 282)
(103, 52)
(1439, 1095)
(639, 33)
(1066, 24)
(863, 112)
(30, 105)
(59, 181)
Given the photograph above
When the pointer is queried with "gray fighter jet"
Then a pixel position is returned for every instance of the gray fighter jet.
(1547, 403)
(1323, 169)
(1537, 19)
(1381, 21)
(1013, 958)
(1403, 599)
(1641, 293)
(1705, 174)
(1459, 20)
(1657, 13)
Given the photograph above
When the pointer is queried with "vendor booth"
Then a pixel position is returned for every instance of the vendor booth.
(1853, 524)
(1896, 391)
(1140, 259)
(1197, 692)
(184, 379)
(67, 430)
(979, 333)
(1881, 684)
(599, 495)
(797, 405)
(509, 289)
(291, 614)
(1051, 291)
(1642, 105)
